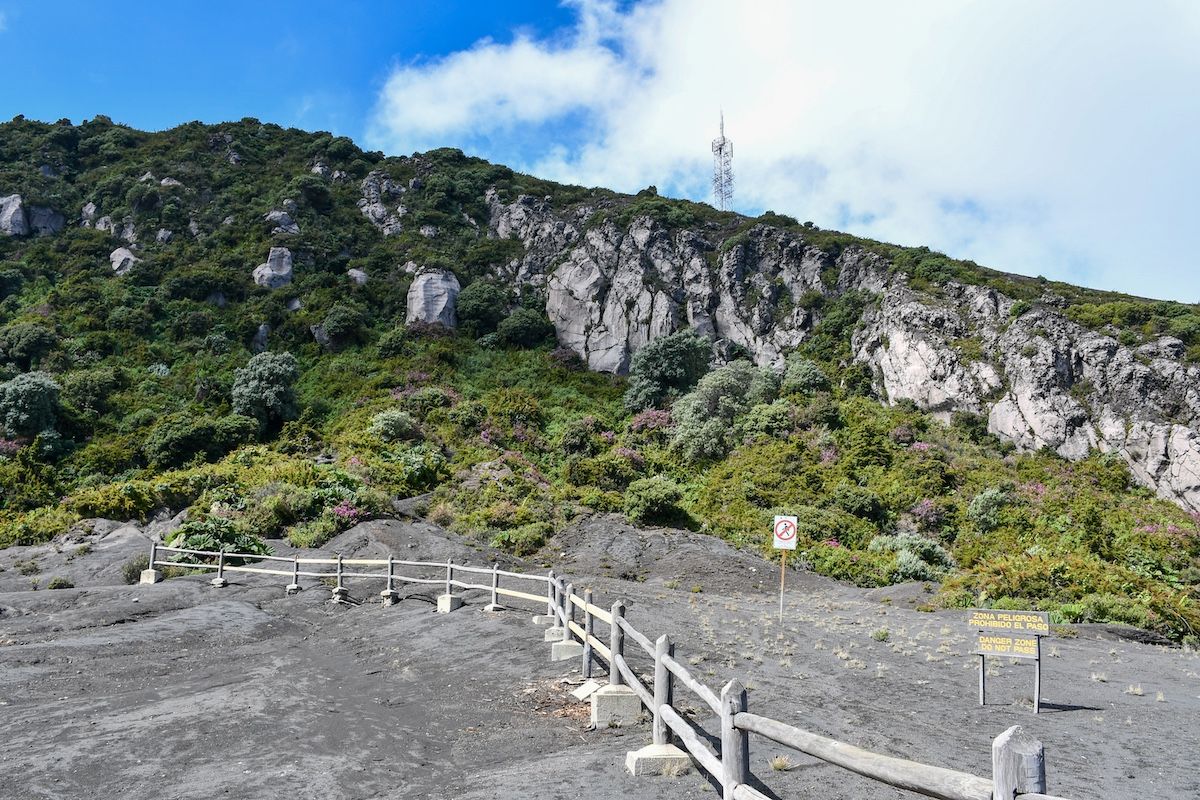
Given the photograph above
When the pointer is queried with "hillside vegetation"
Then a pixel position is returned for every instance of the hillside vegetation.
(140, 394)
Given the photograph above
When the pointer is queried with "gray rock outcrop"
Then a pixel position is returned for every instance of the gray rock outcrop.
(379, 202)
(122, 260)
(277, 271)
(283, 222)
(432, 298)
(357, 275)
(13, 221)
(259, 343)
(46, 221)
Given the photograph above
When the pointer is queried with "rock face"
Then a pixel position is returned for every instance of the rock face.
(46, 221)
(13, 221)
(277, 271)
(432, 299)
(122, 260)
(379, 202)
(1040, 379)
(357, 275)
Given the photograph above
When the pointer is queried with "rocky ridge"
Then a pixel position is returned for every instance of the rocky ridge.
(1039, 378)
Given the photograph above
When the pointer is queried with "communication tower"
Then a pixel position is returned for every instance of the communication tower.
(722, 169)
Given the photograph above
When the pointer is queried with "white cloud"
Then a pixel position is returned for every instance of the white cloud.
(1033, 137)
(3, 22)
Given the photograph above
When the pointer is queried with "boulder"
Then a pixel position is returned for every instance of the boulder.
(277, 271)
(378, 203)
(283, 222)
(163, 236)
(295, 304)
(87, 214)
(13, 221)
(169, 182)
(122, 260)
(432, 299)
(259, 343)
(46, 221)
(357, 275)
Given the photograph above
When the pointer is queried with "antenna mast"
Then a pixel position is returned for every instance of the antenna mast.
(722, 169)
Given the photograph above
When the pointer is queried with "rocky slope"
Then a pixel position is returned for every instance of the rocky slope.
(1040, 379)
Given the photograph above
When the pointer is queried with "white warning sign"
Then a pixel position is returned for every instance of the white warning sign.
(784, 533)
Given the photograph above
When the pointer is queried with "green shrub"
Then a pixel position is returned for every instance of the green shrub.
(393, 425)
(343, 323)
(59, 582)
(525, 540)
(131, 570)
(665, 368)
(984, 509)
(122, 501)
(524, 328)
(770, 420)
(482, 305)
(651, 500)
(803, 376)
(177, 439)
(28, 404)
(705, 418)
(263, 389)
(25, 342)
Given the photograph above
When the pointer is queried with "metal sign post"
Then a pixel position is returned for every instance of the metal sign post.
(1016, 634)
(783, 538)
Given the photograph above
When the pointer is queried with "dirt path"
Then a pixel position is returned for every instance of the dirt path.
(180, 690)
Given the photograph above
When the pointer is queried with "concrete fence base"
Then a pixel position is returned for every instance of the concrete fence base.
(494, 607)
(389, 597)
(448, 602)
(293, 588)
(150, 576)
(656, 759)
(585, 690)
(220, 583)
(553, 635)
(544, 619)
(563, 651)
(615, 707)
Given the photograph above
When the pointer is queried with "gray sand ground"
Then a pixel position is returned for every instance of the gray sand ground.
(181, 690)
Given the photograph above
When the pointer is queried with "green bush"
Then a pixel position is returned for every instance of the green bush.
(482, 305)
(179, 438)
(651, 500)
(25, 342)
(525, 328)
(705, 418)
(803, 376)
(525, 540)
(984, 509)
(263, 389)
(393, 425)
(28, 404)
(59, 582)
(665, 368)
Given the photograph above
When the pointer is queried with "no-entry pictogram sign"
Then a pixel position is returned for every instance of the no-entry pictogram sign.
(784, 533)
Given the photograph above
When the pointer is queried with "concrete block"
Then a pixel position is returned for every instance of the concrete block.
(293, 588)
(565, 651)
(655, 759)
(390, 597)
(220, 583)
(544, 619)
(553, 634)
(615, 707)
(494, 607)
(448, 603)
(585, 690)
(150, 576)
(340, 594)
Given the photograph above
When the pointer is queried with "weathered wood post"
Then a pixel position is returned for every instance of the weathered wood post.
(340, 592)
(569, 611)
(566, 647)
(616, 643)
(1018, 764)
(150, 574)
(550, 595)
(389, 594)
(554, 632)
(220, 581)
(662, 687)
(294, 586)
(495, 604)
(587, 634)
(660, 755)
(449, 601)
(735, 744)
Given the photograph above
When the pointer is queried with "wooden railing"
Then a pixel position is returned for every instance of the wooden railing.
(1018, 762)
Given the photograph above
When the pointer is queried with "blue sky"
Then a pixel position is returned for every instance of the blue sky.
(1039, 138)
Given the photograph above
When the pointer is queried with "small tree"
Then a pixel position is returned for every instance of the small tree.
(666, 368)
(25, 343)
(705, 418)
(653, 500)
(525, 328)
(803, 376)
(28, 404)
(263, 389)
(481, 307)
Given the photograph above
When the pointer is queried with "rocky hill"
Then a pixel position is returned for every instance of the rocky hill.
(420, 322)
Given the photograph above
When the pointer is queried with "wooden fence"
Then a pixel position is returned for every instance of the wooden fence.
(1018, 761)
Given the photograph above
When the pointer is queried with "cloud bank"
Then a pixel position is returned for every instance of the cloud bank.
(1039, 138)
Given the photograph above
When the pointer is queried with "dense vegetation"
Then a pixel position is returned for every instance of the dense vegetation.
(135, 395)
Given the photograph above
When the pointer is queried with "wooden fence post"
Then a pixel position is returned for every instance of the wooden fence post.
(662, 687)
(153, 555)
(735, 744)
(587, 634)
(294, 586)
(340, 592)
(449, 575)
(568, 611)
(390, 595)
(220, 581)
(1018, 764)
(550, 597)
(616, 644)
(495, 604)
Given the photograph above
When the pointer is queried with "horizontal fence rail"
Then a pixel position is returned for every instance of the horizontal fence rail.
(1018, 765)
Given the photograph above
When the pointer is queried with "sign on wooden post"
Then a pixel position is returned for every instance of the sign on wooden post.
(1016, 634)
(783, 538)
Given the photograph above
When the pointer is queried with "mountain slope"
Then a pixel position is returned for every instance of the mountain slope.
(405, 310)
